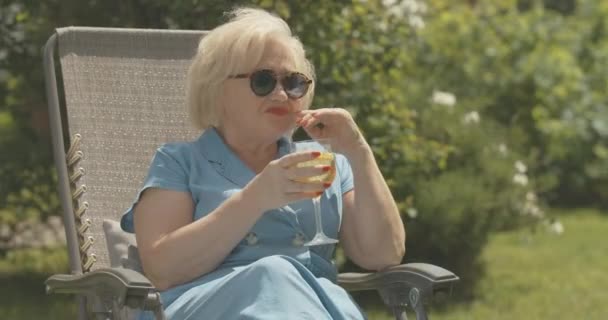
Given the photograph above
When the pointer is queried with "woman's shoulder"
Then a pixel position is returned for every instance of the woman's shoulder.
(180, 152)
(175, 148)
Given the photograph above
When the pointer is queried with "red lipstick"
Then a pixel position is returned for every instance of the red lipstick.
(278, 111)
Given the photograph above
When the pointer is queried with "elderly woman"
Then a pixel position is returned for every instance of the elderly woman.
(220, 221)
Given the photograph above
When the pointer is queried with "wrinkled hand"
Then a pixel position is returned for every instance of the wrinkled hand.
(335, 124)
(279, 183)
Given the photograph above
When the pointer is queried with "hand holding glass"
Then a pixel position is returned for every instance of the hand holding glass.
(327, 158)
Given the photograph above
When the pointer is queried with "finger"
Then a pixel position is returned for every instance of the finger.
(311, 122)
(296, 173)
(302, 114)
(293, 197)
(329, 115)
(292, 159)
(306, 119)
(306, 187)
(318, 110)
(319, 118)
(316, 132)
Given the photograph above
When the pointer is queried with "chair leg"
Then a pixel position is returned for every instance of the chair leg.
(400, 313)
(82, 307)
(159, 314)
(420, 312)
(154, 303)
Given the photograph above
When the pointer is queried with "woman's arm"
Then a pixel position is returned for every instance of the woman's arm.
(372, 232)
(173, 248)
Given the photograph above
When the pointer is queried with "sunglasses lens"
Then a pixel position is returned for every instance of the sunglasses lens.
(295, 85)
(263, 82)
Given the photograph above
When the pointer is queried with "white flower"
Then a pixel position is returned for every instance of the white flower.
(444, 98)
(531, 209)
(520, 167)
(536, 211)
(412, 213)
(414, 6)
(520, 179)
(471, 117)
(531, 196)
(502, 148)
(404, 7)
(382, 25)
(410, 5)
(556, 227)
(416, 22)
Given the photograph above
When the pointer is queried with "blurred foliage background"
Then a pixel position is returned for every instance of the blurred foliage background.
(482, 114)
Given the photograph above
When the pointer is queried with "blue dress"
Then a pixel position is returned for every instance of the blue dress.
(269, 274)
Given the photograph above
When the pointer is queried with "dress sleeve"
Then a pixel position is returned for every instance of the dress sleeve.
(345, 174)
(167, 171)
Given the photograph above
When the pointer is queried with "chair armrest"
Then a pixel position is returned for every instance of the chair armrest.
(416, 275)
(110, 289)
(411, 284)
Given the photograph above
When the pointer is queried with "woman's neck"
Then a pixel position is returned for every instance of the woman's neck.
(255, 153)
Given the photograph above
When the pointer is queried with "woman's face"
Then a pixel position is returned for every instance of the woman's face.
(267, 117)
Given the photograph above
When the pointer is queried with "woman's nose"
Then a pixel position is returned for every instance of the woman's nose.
(279, 93)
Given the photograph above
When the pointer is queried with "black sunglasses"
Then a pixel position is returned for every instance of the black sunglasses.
(264, 81)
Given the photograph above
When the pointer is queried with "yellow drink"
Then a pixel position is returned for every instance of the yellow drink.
(325, 159)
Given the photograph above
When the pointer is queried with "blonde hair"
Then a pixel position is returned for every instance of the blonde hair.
(237, 47)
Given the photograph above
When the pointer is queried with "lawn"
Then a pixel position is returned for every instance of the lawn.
(22, 295)
(541, 276)
(544, 276)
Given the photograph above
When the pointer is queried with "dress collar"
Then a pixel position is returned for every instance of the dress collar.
(225, 161)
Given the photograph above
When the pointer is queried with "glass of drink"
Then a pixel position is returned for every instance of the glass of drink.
(327, 158)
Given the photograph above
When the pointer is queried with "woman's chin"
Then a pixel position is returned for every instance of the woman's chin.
(281, 128)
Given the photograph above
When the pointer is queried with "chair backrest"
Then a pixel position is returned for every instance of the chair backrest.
(124, 96)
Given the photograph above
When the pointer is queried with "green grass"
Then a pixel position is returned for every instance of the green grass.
(543, 276)
(22, 292)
